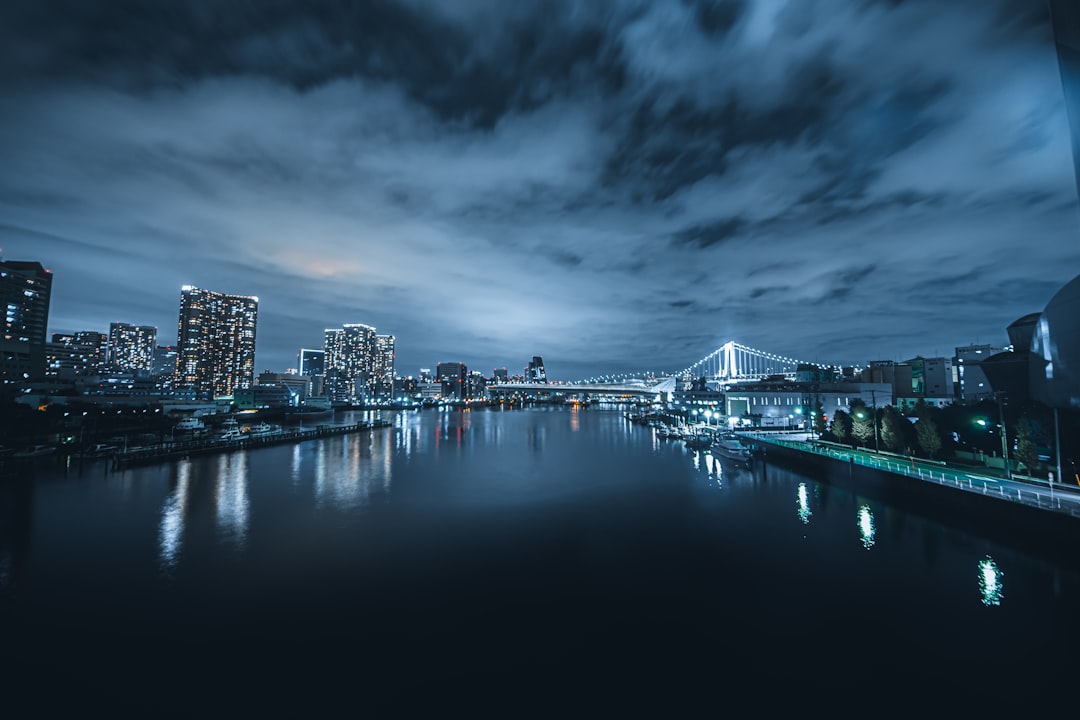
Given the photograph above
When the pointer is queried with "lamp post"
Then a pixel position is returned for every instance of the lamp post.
(873, 401)
(1004, 439)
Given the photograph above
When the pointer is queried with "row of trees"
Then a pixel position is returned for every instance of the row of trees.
(932, 432)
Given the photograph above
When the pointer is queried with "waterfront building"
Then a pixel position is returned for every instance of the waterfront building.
(782, 403)
(299, 386)
(349, 360)
(312, 364)
(476, 386)
(425, 375)
(383, 366)
(25, 292)
(131, 348)
(215, 341)
(76, 354)
(534, 371)
(451, 378)
(1054, 360)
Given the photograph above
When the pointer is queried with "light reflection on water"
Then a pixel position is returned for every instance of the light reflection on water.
(990, 582)
(804, 504)
(231, 498)
(171, 526)
(523, 522)
(866, 526)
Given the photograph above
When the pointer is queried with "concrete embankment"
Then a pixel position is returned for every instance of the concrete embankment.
(1042, 521)
(191, 448)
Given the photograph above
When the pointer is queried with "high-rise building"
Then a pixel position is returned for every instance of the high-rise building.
(25, 291)
(383, 370)
(311, 363)
(131, 347)
(350, 362)
(215, 341)
(500, 375)
(81, 353)
(451, 377)
(535, 370)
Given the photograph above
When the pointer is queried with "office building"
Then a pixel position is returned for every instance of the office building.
(311, 363)
(25, 292)
(451, 378)
(215, 342)
(131, 348)
(534, 372)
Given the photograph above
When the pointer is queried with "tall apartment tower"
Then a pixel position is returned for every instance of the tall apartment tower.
(350, 361)
(383, 374)
(131, 347)
(215, 341)
(25, 291)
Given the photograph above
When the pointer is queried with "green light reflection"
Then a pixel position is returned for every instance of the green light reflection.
(866, 526)
(990, 582)
(804, 504)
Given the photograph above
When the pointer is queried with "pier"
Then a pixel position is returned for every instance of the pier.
(209, 446)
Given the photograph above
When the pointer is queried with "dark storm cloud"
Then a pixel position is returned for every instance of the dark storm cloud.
(491, 180)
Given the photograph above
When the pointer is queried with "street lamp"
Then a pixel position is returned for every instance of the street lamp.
(860, 415)
(1004, 446)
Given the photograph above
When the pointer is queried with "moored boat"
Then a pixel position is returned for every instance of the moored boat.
(730, 447)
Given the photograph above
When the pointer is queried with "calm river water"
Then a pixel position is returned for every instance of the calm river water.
(544, 561)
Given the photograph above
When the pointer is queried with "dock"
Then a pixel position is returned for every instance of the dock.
(209, 446)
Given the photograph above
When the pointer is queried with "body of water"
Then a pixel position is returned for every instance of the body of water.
(550, 561)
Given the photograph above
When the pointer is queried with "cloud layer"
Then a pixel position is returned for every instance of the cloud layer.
(616, 186)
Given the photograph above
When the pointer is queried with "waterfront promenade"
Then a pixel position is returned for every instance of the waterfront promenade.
(1032, 492)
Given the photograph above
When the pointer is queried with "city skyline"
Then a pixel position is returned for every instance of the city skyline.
(615, 188)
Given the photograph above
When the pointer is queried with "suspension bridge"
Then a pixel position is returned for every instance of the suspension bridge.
(730, 363)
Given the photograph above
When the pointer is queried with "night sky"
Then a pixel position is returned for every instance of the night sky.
(613, 185)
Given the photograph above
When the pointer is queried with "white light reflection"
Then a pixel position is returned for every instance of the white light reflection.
(231, 497)
(990, 585)
(866, 526)
(296, 463)
(171, 527)
(804, 504)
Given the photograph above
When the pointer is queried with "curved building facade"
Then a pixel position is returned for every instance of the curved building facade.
(1055, 350)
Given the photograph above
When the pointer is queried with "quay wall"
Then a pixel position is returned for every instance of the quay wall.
(1036, 530)
(176, 451)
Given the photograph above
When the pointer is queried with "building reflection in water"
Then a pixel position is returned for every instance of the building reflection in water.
(349, 469)
(171, 527)
(866, 526)
(804, 504)
(231, 498)
(990, 582)
(575, 419)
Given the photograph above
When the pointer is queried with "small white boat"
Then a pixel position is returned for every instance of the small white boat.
(190, 424)
(99, 450)
(262, 429)
(729, 447)
(34, 451)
